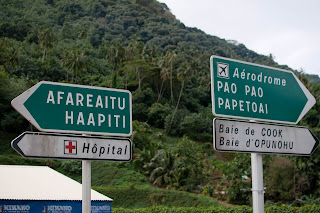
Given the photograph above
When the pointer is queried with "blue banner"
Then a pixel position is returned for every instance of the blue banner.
(33, 206)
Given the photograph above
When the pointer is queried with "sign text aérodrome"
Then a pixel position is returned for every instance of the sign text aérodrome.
(251, 91)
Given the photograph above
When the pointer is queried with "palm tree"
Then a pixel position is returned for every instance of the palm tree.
(130, 54)
(115, 56)
(144, 158)
(161, 168)
(45, 38)
(75, 61)
(82, 33)
(183, 75)
(131, 50)
(64, 62)
(205, 81)
(141, 50)
(164, 74)
(11, 58)
(170, 56)
(143, 70)
(194, 62)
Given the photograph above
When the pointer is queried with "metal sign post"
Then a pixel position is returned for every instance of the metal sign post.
(70, 108)
(256, 92)
(260, 138)
(257, 183)
(74, 147)
(86, 186)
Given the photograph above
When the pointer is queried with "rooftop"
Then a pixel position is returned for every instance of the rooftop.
(40, 183)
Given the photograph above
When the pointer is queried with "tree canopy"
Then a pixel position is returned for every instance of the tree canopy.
(140, 46)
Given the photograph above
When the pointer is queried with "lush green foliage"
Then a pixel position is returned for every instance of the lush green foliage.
(140, 46)
(132, 197)
(238, 209)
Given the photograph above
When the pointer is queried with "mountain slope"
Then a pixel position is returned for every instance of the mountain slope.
(137, 45)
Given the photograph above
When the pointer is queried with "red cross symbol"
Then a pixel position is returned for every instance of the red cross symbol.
(70, 147)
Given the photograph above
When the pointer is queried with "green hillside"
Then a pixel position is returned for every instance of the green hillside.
(140, 46)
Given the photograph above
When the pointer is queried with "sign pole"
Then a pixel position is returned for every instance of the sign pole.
(255, 92)
(257, 183)
(86, 186)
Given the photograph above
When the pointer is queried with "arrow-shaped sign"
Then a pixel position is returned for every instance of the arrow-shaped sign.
(63, 146)
(253, 137)
(251, 91)
(69, 108)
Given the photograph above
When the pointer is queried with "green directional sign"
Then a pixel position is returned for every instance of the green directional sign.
(251, 91)
(69, 108)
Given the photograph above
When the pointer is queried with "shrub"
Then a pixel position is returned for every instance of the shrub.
(279, 180)
(140, 136)
(239, 192)
(235, 209)
(157, 114)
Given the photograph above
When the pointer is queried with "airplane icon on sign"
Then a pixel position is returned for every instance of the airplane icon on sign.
(223, 70)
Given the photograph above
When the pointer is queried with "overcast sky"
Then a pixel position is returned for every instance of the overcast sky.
(287, 29)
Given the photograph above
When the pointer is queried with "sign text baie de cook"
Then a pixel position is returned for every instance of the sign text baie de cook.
(251, 91)
(258, 137)
(68, 108)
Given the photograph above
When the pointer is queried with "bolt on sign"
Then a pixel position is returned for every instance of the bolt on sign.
(68, 108)
(251, 91)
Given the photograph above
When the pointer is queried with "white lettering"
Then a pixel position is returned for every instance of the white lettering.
(50, 97)
(80, 119)
(69, 117)
(117, 119)
(220, 102)
(284, 82)
(236, 73)
(112, 101)
(89, 100)
(59, 96)
(101, 119)
(79, 99)
(99, 102)
(123, 104)
(69, 99)
(220, 85)
(91, 120)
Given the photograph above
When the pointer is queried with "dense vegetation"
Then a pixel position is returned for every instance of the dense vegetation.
(140, 46)
(238, 209)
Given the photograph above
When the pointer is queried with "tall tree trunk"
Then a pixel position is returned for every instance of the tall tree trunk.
(139, 78)
(76, 75)
(171, 83)
(72, 75)
(112, 75)
(175, 110)
(159, 94)
(126, 85)
(44, 52)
